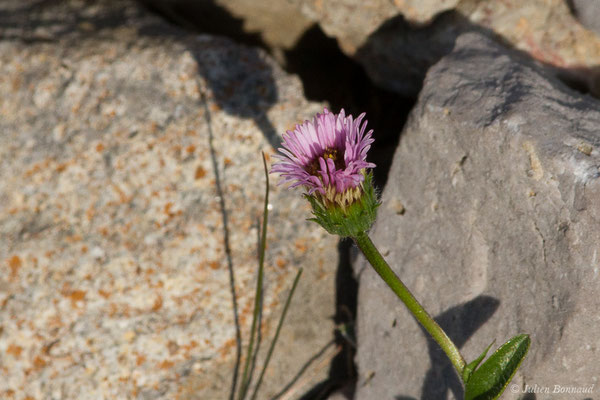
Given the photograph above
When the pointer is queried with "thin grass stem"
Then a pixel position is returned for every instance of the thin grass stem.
(251, 355)
(277, 331)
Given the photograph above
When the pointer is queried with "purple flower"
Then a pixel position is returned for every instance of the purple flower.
(327, 157)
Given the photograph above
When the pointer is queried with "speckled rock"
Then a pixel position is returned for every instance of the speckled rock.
(132, 182)
(278, 23)
(388, 36)
(350, 22)
(491, 217)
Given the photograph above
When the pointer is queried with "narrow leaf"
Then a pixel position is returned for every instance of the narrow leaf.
(474, 364)
(257, 313)
(277, 331)
(489, 381)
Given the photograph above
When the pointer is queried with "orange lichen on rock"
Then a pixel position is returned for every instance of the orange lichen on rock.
(74, 238)
(226, 348)
(76, 296)
(158, 303)
(281, 263)
(14, 350)
(14, 264)
(187, 348)
(300, 245)
(61, 167)
(140, 359)
(39, 362)
(200, 173)
(123, 198)
(166, 364)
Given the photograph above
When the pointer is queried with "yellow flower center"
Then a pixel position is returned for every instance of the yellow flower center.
(329, 153)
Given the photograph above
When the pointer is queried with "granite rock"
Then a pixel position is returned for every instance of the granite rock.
(491, 217)
(278, 24)
(132, 184)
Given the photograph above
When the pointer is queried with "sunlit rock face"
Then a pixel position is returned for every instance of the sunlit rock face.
(490, 216)
(132, 187)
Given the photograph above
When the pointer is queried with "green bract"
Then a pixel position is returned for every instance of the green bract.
(351, 220)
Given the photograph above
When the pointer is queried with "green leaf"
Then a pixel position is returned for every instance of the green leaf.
(277, 331)
(466, 374)
(489, 381)
(258, 296)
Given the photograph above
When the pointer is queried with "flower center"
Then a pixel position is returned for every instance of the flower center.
(332, 153)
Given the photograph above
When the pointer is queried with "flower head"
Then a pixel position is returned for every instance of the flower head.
(327, 156)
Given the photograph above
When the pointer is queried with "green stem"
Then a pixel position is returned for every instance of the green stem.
(385, 272)
(256, 315)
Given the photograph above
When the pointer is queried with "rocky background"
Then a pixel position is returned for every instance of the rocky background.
(132, 187)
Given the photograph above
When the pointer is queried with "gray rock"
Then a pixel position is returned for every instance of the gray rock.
(588, 12)
(125, 147)
(497, 173)
(397, 55)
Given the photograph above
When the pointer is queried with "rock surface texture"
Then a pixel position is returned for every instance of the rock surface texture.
(588, 12)
(132, 185)
(497, 171)
(277, 24)
(396, 41)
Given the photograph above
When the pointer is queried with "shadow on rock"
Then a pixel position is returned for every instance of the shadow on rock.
(398, 54)
(460, 323)
(242, 86)
(204, 16)
(52, 20)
